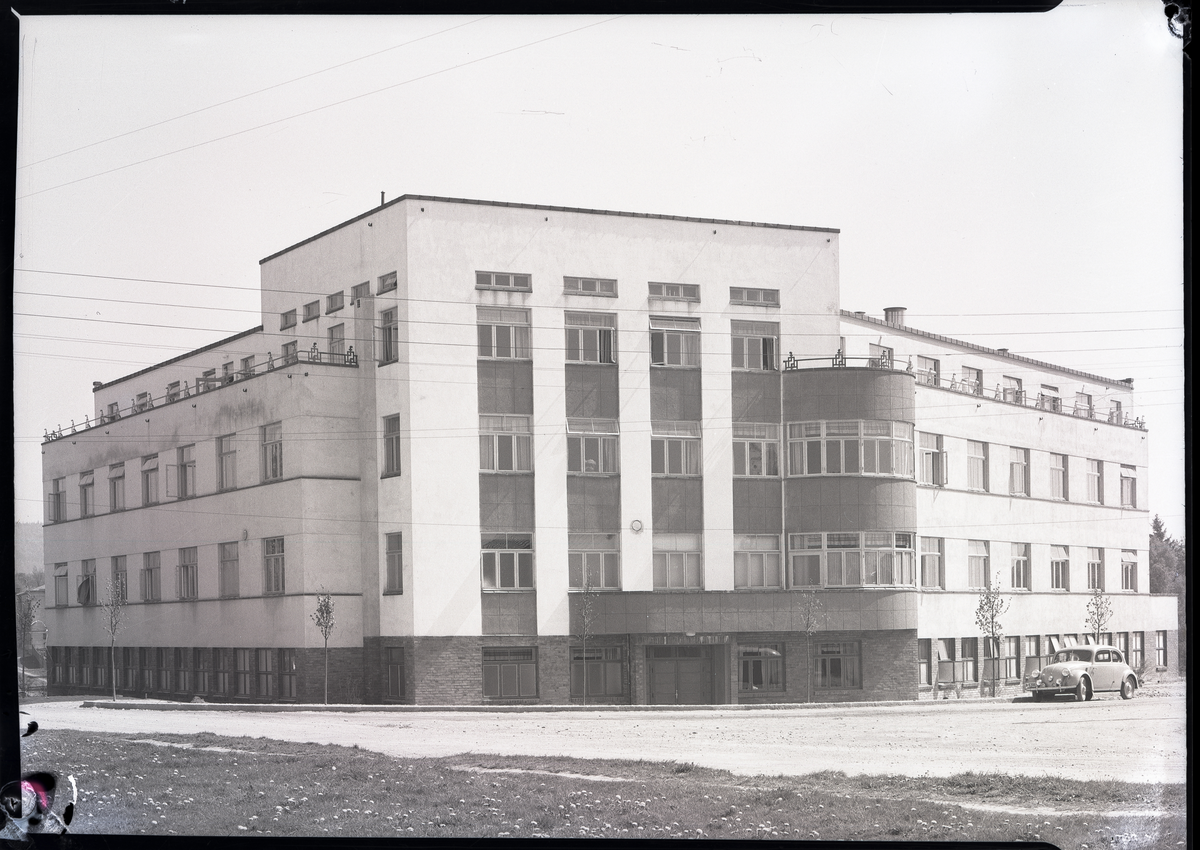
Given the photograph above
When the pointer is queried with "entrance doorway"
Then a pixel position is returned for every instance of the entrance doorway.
(679, 675)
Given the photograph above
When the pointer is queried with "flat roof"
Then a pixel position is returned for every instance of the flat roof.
(1041, 364)
(545, 207)
(96, 388)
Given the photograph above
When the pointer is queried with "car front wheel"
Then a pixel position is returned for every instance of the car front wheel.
(1127, 688)
(1082, 691)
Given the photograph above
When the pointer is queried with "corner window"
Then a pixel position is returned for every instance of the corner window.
(391, 445)
(597, 671)
(850, 447)
(594, 561)
(393, 554)
(287, 320)
(1129, 487)
(677, 562)
(761, 668)
(312, 310)
(507, 561)
(503, 280)
(853, 558)
(838, 665)
(273, 566)
(272, 451)
(505, 444)
(510, 671)
(755, 346)
(932, 559)
(755, 449)
(675, 291)
(589, 286)
(753, 297)
(1060, 568)
(675, 448)
(503, 332)
(387, 282)
(335, 302)
(674, 341)
(756, 562)
(591, 337)
(1018, 472)
(1020, 566)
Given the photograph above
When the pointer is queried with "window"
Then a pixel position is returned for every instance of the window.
(1012, 391)
(756, 346)
(1160, 649)
(973, 380)
(753, 296)
(977, 466)
(1095, 482)
(503, 280)
(1129, 570)
(395, 671)
(924, 661)
(56, 501)
(1049, 399)
(507, 561)
(335, 302)
(978, 571)
(87, 501)
(183, 673)
(163, 659)
(882, 356)
(247, 366)
(1083, 405)
(186, 459)
(503, 332)
(224, 663)
(598, 453)
(227, 576)
(510, 671)
(1008, 663)
(850, 447)
(337, 340)
(597, 671)
(756, 562)
(389, 330)
(591, 337)
(755, 449)
(929, 371)
(1018, 472)
(970, 658)
(85, 591)
(933, 460)
(290, 354)
(677, 562)
(173, 391)
(116, 487)
(1137, 649)
(150, 480)
(674, 341)
(387, 282)
(287, 671)
(838, 665)
(265, 659)
(675, 448)
(932, 575)
(287, 320)
(594, 561)
(273, 578)
(151, 577)
(505, 444)
(187, 582)
(761, 667)
(853, 558)
(120, 580)
(357, 293)
(589, 286)
(143, 402)
(202, 665)
(1095, 568)
(391, 445)
(312, 310)
(272, 451)
(1020, 566)
(1121, 642)
(394, 561)
(1059, 477)
(1128, 486)
(1060, 568)
(1033, 646)
(675, 291)
(226, 463)
(245, 672)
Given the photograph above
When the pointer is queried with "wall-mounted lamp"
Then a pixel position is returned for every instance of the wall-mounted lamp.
(636, 526)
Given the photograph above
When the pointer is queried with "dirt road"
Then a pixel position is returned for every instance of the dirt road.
(1108, 738)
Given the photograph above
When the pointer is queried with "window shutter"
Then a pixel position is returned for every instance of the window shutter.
(940, 473)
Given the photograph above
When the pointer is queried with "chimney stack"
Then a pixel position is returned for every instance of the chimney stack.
(893, 315)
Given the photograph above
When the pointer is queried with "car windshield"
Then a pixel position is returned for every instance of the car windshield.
(1073, 655)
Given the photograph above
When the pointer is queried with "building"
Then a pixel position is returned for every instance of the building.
(553, 455)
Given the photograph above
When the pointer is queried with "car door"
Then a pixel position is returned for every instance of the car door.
(1104, 672)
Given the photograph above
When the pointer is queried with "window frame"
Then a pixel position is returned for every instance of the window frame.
(86, 588)
(185, 458)
(393, 558)
(663, 291)
(523, 576)
(360, 291)
(287, 319)
(336, 339)
(116, 487)
(312, 311)
(226, 462)
(387, 283)
(1129, 571)
(576, 286)
(977, 466)
(747, 548)
(1129, 496)
(150, 489)
(881, 438)
(272, 451)
(389, 330)
(1060, 567)
(120, 576)
(677, 555)
(87, 494)
(517, 338)
(392, 446)
(187, 584)
(929, 371)
(591, 553)
(578, 325)
(1018, 465)
(743, 338)
(524, 663)
(764, 435)
(1021, 578)
(676, 449)
(936, 553)
(826, 655)
(761, 664)
(607, 455)
(335, 301)
(516, 279)
(977, 562)
(151, 577)
(763, 297)
(931, 468)
(228, 570)
(601, 665)
(494, 429)
(274, 567)
(1095, 481)
(1095, 567)
(1060, 477)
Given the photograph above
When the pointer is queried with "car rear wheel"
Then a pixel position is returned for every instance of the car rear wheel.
(1127, 688)
(1082, 691)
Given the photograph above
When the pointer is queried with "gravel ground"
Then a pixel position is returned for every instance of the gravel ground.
(1108, 738)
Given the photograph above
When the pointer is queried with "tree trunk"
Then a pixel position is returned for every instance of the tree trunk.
(112, 665)
(327, 671)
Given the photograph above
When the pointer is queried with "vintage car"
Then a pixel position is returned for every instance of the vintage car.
(1082, 671)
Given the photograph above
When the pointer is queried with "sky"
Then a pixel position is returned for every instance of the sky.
(1013, 180)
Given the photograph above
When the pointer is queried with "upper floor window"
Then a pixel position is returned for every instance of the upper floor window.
(360, 291)
(589, 286)
(226, 463)
(978, 574)
(290, 352)
(116, 487)
(312, 310)
(391, 445)
(335, 302)
(186, 475)
(247, 366)
(591, 337)
(678, 564)
(120, 579)
(850, 447)
(387, 282)
(757, 561)
(753, 296)
(1049, 399)
(507, 561)
(151, 577)
(505, 443)
(1095, 568)
(933, 459)
(755, 448)
(594, 561)
(1011, 390)
(227, 569)
(273, 565)
(852, 559)
(389, 328)
(87, 500)
(1059, 479)
(1114, 414)
(1095, 481)
(272, 451)
(1060, 568)
(592, 446)
(1018, 472)
(932, 573)
(1083, 405)
(882, 356)
(172, 391)
(675, 291)
(929, 371)
(1020, 566)
(1128, 486)
(187, 586)
(674, 341)
(675, 448)
(56, 500)
(1129, 570)
(977, 465)
(503, 280)
(393, 555)
(85, 591)
(503, 332)
(61, 586)
(150, 480)
(756, 346)
(287, 320)
(144, 401)
(337, 340)
(973, 380)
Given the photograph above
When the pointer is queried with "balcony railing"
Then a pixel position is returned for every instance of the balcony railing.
(180, 390)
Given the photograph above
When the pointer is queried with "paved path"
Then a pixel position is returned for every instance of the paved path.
(1108, 738)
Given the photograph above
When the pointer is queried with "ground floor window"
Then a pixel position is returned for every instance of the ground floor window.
(1160, 649)
(224, 661)
(287, 674)
(510, 671)
(202, 663)
(56, 665)
(129, 663)
(839, 665)
(1137, 649)
(395, 672)
(597, 671)
(761, 668)
(147, 673)
(100, 664)
(244, 672)
(970, 659)
(265, 666)
(162, 663)
(1007, 659)
(183, 671)
(924, 661)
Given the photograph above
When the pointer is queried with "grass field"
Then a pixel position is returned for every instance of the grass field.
(210, 785)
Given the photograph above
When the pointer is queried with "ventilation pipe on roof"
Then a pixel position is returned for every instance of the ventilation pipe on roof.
(893, 315)
(860, 314)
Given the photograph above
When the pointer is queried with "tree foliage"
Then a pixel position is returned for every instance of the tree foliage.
(114, 613)
(1099, 612)
(988, 613)
(323, 617)
(1168, 574)
(810, 613)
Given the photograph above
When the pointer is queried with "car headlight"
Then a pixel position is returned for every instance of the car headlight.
(1036, 674)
